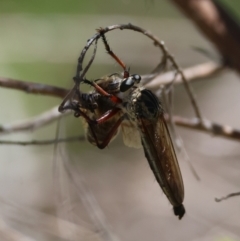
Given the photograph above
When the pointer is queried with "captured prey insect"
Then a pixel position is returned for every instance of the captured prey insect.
(118, 102)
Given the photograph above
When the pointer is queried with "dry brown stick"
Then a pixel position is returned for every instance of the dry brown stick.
(234, 194)
(200, 71)
(33, 88)
(208, 126)
(195, 72)
(53, 114)
(214, 22)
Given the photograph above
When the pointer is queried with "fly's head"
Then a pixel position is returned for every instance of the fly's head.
(138, 101)
(129, 82)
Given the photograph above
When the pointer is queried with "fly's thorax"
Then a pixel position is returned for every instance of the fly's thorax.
(142, 103)
(128, 104)
(110, 83)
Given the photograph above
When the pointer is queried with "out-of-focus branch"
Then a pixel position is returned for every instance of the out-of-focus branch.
(196, 72)
(32, 123)
(43, 142)
(33, 88)
(192, 73)
(234, 194)
(207, 126)
(217, 25)
(201, 71)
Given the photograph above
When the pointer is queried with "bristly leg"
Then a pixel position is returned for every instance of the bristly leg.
(112, 54)
(100, 90)
(112, 131)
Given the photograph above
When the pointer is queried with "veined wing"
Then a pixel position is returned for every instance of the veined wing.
(162, 159)
(130, 133)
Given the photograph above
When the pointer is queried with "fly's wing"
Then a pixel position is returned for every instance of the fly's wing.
(130, 133)
(162, 159)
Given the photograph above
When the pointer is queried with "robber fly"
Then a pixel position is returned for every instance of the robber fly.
(118, 102)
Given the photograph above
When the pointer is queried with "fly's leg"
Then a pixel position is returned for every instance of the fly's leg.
(110, 134)
(100, 90)
(112, 54)
(106, 116)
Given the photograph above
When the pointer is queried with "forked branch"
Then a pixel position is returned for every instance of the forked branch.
(190, 74)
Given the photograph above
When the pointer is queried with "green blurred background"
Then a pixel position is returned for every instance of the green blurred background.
(40, 42)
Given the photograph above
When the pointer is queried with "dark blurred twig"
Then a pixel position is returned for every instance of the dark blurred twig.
(208, 126)
(200, 71)
(33, 88)
(215, 22)
(228, 196)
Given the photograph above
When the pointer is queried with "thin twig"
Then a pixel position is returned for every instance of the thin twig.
(209, 127)
(42, 142)
(213, 128)
(32, 123)
(33, 88)
(90, 62)
(188, 89)
(193, 73)
(228, 196)
(152, 81)
(200, 71)
(82, 55)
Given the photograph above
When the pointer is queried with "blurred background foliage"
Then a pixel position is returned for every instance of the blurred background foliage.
(40, 42)
(108, 7)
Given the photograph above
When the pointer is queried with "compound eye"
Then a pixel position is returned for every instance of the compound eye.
(137, 78)
(127, 84)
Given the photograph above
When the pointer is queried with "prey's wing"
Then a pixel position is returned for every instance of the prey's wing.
(161, 157)
(130, 133)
